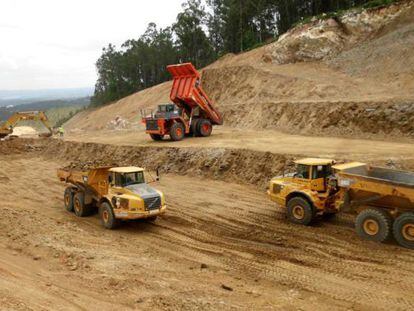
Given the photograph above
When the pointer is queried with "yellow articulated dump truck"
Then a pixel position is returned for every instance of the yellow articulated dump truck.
(382, 198)
(119, 193)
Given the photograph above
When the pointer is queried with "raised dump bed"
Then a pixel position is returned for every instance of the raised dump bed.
(192, 112)
(120, 193)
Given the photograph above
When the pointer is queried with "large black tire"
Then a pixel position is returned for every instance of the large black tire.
(300, 211)
(374, 224)
(106, 213)
(194, 128)
(204, 127)
(80, 208)
(177, 131)
(156, 137)
(68, 199)
(404, 230)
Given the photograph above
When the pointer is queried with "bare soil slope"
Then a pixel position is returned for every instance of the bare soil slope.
(363, 89)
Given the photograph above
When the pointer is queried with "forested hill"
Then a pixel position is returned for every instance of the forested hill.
(203, 31)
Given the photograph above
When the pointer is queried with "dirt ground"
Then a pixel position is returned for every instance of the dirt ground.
(223, 247)
(222, 244)
(275, 142)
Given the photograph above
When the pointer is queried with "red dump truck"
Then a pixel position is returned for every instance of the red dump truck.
(192, 111)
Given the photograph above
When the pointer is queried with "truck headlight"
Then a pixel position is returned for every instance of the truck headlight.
(122, 203)
(277, 188)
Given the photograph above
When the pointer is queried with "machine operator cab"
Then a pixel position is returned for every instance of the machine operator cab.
(313, 172)
(121, 177)
(168, 111)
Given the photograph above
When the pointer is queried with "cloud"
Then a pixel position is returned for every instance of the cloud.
(48, 43)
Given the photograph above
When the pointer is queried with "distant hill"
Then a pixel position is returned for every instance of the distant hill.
(22, 97)
(7, 111)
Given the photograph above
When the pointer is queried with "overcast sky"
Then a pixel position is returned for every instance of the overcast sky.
(55, 43)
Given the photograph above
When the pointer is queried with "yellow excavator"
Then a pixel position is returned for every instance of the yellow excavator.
(6, 129)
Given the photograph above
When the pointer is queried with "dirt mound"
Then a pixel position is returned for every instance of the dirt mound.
(242, 166)
(118, 124)
(24, 131)
(235, 165)
(19, 146)
(326, 38)
(89, 165)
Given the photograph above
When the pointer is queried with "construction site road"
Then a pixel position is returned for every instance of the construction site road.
(220, 246)
(266, 141)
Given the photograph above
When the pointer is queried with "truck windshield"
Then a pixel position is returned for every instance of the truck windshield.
(321, 171)
(166, 108)
(133, 178)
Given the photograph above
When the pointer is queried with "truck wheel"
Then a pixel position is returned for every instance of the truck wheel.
(107, 215)
(300, 211)
(156, 137)
(404, 230)
(374, 225)
(68, 199)
(205, 128)
(194, 128)
(79, 206)
(177, 131)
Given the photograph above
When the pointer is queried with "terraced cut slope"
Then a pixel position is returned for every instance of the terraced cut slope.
(363, 88)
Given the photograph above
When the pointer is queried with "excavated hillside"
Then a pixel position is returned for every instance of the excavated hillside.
(349, 76)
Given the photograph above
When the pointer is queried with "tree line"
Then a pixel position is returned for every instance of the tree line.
(203, 31)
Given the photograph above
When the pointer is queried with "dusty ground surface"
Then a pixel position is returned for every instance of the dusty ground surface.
(216, 236)
(222, 244)
(265, 141)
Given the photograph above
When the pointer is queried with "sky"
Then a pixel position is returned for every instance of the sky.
(47, 44)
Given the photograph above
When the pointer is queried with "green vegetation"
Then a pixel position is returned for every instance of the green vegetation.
(60, 115)
(204, 31)
(379, 3)
(368, 5)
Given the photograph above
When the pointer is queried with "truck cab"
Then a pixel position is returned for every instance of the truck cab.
(131, 196)
(168, 111)
(306, 191)
(314, 172)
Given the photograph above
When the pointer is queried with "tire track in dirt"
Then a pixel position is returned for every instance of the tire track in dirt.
(232, 228)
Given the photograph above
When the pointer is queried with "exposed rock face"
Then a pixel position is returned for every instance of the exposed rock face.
(322, 39)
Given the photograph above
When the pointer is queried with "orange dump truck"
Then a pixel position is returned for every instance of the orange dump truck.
(119, 193)
(192, 111)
